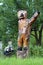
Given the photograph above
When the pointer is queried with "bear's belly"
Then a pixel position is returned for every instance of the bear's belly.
(22, 30)
(25, 30)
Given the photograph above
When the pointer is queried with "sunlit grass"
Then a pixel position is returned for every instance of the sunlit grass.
(14, 61)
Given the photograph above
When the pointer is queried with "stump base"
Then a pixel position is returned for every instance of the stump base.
(22, 54)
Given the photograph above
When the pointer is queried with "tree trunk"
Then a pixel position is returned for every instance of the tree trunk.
(40, 34)
(38, 38)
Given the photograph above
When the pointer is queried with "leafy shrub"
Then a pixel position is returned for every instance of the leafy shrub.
(36, 50)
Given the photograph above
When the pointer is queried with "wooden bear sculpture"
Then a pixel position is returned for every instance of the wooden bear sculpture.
(24, 28)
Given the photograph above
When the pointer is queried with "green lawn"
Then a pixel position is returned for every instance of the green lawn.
(15, 61)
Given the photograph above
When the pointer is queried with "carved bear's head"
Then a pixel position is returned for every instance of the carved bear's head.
(22, 14)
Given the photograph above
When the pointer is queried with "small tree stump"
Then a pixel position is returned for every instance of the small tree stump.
(22, 54)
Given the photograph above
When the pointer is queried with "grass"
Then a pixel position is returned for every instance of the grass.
(14, 61)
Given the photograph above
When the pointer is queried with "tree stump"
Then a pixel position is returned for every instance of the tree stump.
(22, 54)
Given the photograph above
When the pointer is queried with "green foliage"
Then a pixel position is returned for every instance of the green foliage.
(36, 51)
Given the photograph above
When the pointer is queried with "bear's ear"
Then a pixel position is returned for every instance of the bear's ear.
(25, 11)
(18, 12)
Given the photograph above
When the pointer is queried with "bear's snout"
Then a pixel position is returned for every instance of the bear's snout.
(22, 15)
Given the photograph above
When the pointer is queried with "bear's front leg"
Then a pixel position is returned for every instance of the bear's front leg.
(34, 17)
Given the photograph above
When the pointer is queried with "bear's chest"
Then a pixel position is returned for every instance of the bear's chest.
(23, 24)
